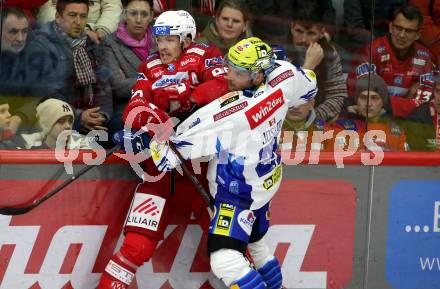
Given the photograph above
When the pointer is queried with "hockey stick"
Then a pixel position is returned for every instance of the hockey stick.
(11, 211)
(205, 195)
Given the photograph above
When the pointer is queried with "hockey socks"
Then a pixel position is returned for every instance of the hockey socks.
(121, 269)
(251, 280)
(271, 273)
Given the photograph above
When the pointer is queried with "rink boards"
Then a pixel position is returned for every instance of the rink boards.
(352, 227)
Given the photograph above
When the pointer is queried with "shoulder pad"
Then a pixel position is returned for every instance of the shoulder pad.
(347, 123)
(196, 49)
(152, 62)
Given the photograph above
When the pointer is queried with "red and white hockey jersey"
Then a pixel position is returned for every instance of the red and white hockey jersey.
(199, 67)
(398, 74)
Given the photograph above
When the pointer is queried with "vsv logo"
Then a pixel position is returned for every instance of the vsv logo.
(264, 109)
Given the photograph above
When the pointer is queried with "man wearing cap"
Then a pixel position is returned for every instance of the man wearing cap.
(239, 133)
(371, 97)
(55, 118)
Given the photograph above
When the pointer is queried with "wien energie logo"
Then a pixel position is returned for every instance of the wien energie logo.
(264, 109)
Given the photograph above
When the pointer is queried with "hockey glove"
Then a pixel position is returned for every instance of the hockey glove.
(149, 118)
(177, 96)
(163, 157)
(136, 140)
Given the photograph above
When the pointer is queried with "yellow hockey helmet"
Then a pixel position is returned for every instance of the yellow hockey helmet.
(251, 54)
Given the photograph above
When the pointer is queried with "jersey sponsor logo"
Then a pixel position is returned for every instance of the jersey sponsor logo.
(419, 62)
(246, 220)
(264, 109)
(171, 67)
(230, 110)
(146, 211)
(119, 272)
(281, 77)
(365, 68)
(427, 78)
(141, 76)
(161, 30)
(380, 49)
(273, 131)
(188, 61)
(196, 50)
(273, 179)
(272, 122)
(158, 74)
(228, 98)
(154, 63)
(398, 79)
(167, 80)
(215, 61)
(196, 122)
(224, 219)
(422, 53)
(385, 57)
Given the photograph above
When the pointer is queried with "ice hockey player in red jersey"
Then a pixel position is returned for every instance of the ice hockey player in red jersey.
(182, 76)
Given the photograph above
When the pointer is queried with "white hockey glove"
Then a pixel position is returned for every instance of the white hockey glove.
(164, 159)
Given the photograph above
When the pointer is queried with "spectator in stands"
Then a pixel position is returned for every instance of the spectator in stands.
(370, 98)
(125, 50)
(8, 140)
(76, 76)
(230, 25)
(423, 128)
(17, 80)
(103, 17)
(312, 50)
(55, 119)
(430, 31)
(272, 17)
(300, 127)
(399, 59)
(357, 21)
(29, 8)
(435, 112)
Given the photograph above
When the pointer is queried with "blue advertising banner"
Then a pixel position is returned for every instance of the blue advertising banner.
(413, 244)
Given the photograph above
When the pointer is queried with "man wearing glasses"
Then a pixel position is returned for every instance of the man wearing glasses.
(400, 60)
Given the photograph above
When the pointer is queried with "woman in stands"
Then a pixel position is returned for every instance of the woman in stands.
(230, 25)
(124, 51)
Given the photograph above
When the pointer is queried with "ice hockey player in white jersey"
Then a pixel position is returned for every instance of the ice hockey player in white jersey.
(239, 132)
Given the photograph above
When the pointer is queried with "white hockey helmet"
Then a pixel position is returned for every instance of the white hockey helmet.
(179, 23)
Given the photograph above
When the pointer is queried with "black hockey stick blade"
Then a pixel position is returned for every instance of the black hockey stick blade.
(12, 211)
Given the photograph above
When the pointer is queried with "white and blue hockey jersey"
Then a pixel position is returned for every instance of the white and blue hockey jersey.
(239, 133)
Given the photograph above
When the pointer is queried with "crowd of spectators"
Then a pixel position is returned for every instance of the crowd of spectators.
(75, 61)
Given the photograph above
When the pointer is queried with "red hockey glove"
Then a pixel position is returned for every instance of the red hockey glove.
(176, 95)
(141, 115)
